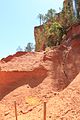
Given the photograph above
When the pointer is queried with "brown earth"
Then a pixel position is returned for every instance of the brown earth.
(31, 78)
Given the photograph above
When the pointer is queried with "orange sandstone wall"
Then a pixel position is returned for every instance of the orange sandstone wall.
(73, 31)
(11, 80)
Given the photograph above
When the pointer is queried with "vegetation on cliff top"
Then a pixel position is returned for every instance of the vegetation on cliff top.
(55, 25)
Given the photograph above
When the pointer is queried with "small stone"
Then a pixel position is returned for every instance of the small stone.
(6, 113)
(49, 116)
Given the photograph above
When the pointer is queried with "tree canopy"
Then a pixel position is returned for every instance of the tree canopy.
(48, 16)
(29, 47)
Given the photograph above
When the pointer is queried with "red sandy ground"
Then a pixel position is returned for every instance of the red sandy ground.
(31, 78)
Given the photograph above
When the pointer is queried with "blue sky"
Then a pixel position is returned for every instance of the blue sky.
(17, 21)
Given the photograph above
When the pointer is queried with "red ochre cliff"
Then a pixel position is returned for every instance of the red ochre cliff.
(49, 75)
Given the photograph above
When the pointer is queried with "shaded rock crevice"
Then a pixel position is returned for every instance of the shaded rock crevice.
(11, 80)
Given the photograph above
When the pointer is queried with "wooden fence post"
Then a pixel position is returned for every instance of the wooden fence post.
(15, 110)
(44, 110)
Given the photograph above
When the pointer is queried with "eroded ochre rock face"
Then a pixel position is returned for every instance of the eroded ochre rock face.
(11, 80)
(61, 64)
(40, 74)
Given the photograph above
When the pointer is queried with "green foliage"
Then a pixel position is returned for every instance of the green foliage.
(54, 33)
(48, 16)
(29, 47)
(54, 26)
(51, 29)
(56, 30)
